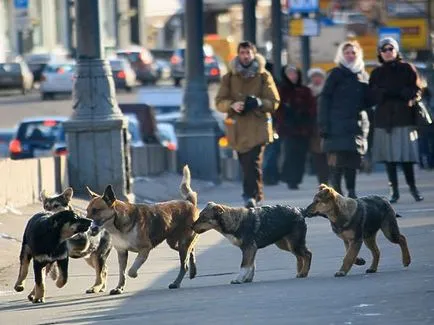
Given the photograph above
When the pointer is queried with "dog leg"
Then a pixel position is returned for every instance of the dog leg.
(101, 273)
(350, 256)
(192, 262)
(247, 270)
(122, 260)
(391, 231)
(39, 282)
(63, 272)
(31, 295)
(138, 262)
(25, 258)
(185, 251)
(358, 260)
(307, 260)
(372, 246)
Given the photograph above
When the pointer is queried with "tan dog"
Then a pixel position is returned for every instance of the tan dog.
(141, 227)
(356, 221)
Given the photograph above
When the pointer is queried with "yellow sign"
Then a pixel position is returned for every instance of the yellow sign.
(303, 27)
(414, 32)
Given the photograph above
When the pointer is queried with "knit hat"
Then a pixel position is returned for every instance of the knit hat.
(315, 71)
(388, 41)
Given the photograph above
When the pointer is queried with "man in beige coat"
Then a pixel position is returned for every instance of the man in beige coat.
(248, 95)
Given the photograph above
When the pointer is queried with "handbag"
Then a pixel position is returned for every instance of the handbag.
(423, 114)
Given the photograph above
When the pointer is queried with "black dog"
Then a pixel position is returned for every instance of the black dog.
(44, 240)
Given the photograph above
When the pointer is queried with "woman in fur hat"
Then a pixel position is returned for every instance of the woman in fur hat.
(342, 119)
(395, 87)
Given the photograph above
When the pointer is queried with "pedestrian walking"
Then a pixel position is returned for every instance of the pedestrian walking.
(248, 95)
(395, 88)
(343, 123)
(317, 78)
(295, 121)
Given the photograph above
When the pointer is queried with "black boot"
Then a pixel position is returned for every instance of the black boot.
(409, 177)
(393, 182)
(415, 193)
(350, 182)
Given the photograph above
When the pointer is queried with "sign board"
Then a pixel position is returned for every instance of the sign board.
(21, 13)
(304, 27)
(303, 6)
(393, 32)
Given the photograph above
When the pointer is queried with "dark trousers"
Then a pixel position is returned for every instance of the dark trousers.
(407, 168)
(270, 167)
(251, 165)
(336, 178)
(321, 167)
(294, 163)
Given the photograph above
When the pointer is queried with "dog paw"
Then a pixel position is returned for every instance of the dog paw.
(94, 290)
(359, 261)
(371, 271)
(19, 287)
(38, 300)
(236, 281)
(132, 273)
(301, 275)
(116, 291)
(173, 286)
(340, 274)
(406, 263)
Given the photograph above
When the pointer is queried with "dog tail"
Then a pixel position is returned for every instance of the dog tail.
(186, 192)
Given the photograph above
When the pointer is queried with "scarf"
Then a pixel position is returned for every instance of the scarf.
(247, 72)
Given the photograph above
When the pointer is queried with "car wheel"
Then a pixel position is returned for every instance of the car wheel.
(177, 82)
(46, 96)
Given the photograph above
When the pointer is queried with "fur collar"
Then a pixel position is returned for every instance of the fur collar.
(257, 67)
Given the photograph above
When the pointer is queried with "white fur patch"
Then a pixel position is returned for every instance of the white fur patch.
(46, 258)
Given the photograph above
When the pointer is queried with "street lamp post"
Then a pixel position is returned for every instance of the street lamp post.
(249, 20)
(96, 131)
(197, 128)
(276, 31)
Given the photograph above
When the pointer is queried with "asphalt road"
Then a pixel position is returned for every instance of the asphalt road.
(394, 295)
(14, 106)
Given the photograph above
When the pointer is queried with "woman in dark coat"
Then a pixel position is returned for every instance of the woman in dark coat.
(295, 120)
(395, 87)
(342, 121)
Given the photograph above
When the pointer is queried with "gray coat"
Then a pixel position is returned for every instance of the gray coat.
(342, 121)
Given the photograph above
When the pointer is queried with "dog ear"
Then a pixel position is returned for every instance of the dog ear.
(68, 193)
(92, 194)
(322, 187)
(43, 195)
(218, 210)
(109, 195)
(120, 208)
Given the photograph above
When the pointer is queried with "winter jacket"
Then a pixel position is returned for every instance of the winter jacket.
(296, 115)
(393, 85)
(342, 121)
(245, 131)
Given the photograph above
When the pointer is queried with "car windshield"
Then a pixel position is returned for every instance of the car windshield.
(59, 68)
(46, 131)
(10, 67)
(116, 65)
(131, 56)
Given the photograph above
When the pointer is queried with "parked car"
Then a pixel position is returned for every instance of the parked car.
(123, 74)
(162, 59)
(212, 64)
(6, 136)
(167, 136)
(142, 62)
(38, 137)
(38, 61)
(16, 75)
(57, 78)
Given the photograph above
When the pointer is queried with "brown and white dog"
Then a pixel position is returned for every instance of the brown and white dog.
(141, 227)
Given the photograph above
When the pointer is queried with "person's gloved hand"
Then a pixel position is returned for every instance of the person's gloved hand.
(252, 102)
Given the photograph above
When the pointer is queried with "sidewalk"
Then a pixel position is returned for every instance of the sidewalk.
(166, 186)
